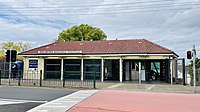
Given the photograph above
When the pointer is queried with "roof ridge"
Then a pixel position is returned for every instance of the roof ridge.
(103, 40)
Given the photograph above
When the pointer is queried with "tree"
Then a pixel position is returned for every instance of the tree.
(21, 46)
(10, 45)
(24, 46)
(82, 32)
(197, 64)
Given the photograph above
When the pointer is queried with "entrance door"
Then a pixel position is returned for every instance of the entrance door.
(111, 71)
(134, 71)
(131, 71)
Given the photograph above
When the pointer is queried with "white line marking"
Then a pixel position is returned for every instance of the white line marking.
(55, 103)
(43, 110)
(150, 88)
(51, 106)
(17, 100)
(114, 86)
(77, 97)
(67, 101)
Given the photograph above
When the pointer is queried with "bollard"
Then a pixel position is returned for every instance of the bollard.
(40, 78)
(63, 79)
(18, 78)
(94, 80)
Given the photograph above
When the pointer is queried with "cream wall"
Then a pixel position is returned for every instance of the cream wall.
(30, 73)
(41, 66)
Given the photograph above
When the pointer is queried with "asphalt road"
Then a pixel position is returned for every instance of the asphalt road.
(21, 99)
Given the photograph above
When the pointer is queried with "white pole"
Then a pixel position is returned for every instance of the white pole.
(171, 66)
(62, 69)
(140, 73)
(82, 69)
(120, 69)
(102, 69)
(194, 68)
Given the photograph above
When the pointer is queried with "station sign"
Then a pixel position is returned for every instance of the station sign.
(58, 52)
(33, 63)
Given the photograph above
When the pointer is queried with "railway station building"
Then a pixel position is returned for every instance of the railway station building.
(111, 60)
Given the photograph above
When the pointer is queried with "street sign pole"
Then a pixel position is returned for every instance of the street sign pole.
(194, 68)
(10, 67)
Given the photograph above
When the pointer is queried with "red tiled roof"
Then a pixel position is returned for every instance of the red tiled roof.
(138, 46)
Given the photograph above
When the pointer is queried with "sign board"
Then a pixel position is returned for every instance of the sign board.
(58, 52)
(33, 63)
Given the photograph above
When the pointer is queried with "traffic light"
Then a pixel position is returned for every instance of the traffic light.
(189, 55)
(13, 55)
(7, 55)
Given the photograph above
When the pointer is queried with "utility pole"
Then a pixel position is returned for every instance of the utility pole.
(194, 68)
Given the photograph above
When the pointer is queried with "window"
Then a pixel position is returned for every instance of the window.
(92, 67)
(52, 69)
(72, 68)
(155, 66)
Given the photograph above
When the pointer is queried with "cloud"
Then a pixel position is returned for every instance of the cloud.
(170, 23)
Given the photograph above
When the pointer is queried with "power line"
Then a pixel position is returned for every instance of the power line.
(121, 7)
(114, 9)
(128, 9)
(127, 3)
(111, 13)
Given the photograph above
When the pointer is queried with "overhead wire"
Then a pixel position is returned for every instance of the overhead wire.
(115, 10)
(119, 7)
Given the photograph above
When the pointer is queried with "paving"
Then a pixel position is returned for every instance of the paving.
(156, 88)
(108, 97)
(65, 103)
(134, 101)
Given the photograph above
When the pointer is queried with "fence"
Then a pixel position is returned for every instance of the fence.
(37, 78)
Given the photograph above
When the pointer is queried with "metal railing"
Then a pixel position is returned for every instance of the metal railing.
(38, 78)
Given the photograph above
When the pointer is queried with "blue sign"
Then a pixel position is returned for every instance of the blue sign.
(33, 63)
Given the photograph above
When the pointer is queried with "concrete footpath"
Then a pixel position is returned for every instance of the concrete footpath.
(64, 103)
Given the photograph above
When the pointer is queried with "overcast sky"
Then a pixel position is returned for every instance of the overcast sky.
(174, 24)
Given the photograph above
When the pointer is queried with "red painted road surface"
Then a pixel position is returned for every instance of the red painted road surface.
(130, 101)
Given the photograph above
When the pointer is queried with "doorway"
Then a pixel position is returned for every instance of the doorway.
(131, 69)
(111, 70)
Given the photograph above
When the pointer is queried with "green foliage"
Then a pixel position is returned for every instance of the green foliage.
(82, 32)
(197, 64)
(21, 46)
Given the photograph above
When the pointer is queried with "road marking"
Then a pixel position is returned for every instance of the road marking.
(17, 100)
(150, 88)
(9, 102)
(42, 110)
(68, 101)
(114, 86)
(77, 97)
(57, 106)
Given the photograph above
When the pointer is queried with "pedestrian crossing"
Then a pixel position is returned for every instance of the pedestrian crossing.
(64, 103)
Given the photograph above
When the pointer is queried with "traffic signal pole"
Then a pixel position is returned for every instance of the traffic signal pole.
(194, 68)
(10, 67)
